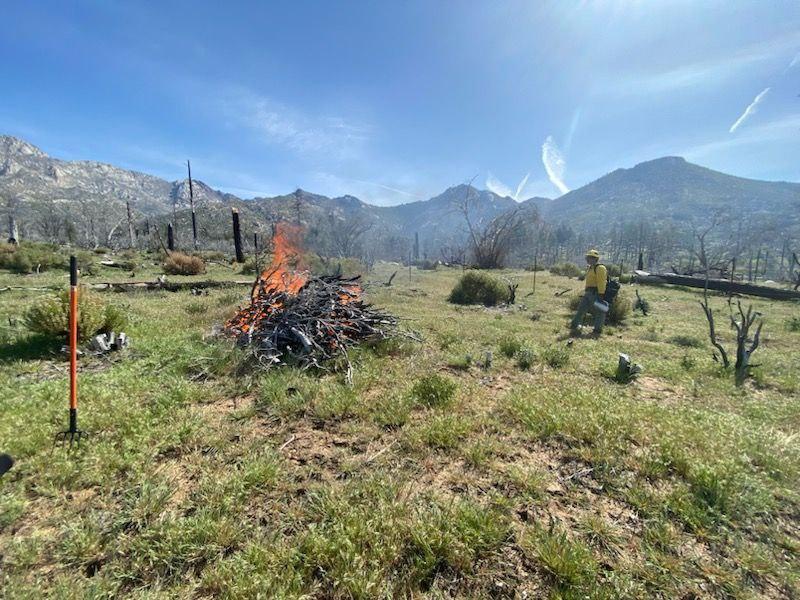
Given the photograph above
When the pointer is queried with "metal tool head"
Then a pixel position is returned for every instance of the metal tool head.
(73, 436)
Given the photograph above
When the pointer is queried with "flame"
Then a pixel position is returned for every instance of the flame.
(282, 275)
(285, 277)
(351, 292)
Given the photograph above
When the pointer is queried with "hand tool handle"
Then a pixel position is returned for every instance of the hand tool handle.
(73, 334)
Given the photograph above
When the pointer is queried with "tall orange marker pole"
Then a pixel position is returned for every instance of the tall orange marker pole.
(73, 433)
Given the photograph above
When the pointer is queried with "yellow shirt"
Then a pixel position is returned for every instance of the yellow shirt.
(596, 278)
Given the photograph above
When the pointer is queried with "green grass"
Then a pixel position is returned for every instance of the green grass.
(431, 476)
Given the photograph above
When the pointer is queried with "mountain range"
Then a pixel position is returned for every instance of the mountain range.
(89, 199)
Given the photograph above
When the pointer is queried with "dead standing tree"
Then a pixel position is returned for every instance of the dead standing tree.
(490, 244)
(454, 255)
(742, 326)
(191, 206)
(795, 275)
(13, 228)
(346, 234)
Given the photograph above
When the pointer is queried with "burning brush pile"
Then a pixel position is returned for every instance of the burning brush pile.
(294, 318)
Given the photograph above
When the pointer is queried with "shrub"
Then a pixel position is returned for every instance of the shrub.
(317, 265)
(49, 316)
(566, 269)
(509, 347)
(434, 390)
(86, 262)
(230, 299)
(686, 341)
(574, 301)
(460, 363)
(213, 256)
(537, 268)
(555, 356)
(30, 257)
(793, 324)
(526, 357)
(619, 311)
(128, 260)
(391, 411)
(196, 308)
(178, 263)
(426, 265)
(475, 287)
(626, 278)
(249, 266)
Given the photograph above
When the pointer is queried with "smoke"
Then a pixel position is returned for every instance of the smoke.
(554, 164)
(750, 110)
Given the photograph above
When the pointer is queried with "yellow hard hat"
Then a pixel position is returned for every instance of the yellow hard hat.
(593, 253)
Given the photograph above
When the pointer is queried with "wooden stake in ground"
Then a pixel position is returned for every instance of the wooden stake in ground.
(237, 236)
(191, 206)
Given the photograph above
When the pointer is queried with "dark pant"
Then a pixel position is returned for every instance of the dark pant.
(587, 305)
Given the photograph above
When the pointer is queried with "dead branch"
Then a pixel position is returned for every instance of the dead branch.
(742, 327)
(712, 333)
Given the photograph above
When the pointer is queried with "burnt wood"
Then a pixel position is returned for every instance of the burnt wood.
(721, 285)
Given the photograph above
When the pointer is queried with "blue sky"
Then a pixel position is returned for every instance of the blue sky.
(395, 101)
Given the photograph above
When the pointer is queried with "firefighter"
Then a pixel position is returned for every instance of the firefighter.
(592, 301)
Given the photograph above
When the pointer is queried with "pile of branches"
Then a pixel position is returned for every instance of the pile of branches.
(312, 327)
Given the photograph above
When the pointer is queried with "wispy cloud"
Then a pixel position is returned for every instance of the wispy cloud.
(749, 111)
(521, 186)
(276, 123)
(785, 128)
(388, 188)
(795, 61)
(702, 73)
(373, 192)
(493, 184)
(554, 164)
(573, 127)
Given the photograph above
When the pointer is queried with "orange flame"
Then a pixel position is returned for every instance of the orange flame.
(283, 274)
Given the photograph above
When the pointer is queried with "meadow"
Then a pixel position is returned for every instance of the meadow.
(496, 457)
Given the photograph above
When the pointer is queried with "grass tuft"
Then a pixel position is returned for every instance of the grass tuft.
(434, 391)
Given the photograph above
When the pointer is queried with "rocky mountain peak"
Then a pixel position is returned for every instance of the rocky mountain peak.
(12, 146)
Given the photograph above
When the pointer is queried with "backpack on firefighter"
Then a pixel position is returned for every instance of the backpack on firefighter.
(612, 287)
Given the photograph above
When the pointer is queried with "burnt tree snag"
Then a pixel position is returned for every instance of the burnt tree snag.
(237, 236)
(742, 325)
(131, 235)
(191, 206)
